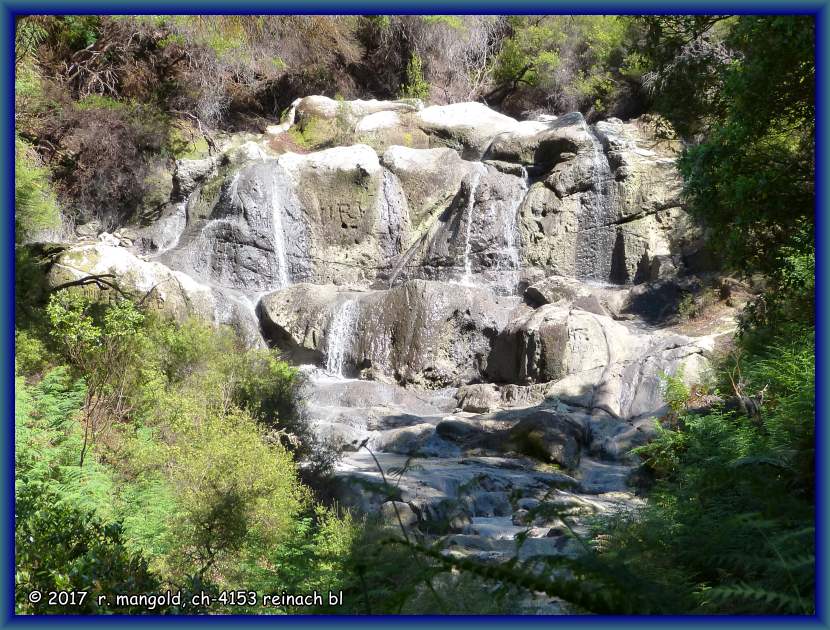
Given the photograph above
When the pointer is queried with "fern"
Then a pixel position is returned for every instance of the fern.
(752, 597)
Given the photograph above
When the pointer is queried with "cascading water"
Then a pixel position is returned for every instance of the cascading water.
(279, 243)
(233, 188)
(467, 279)
(510, 228)
(340, 334)
(175, 224)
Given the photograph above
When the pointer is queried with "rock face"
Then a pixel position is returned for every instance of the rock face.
(593, 361)
(423, 332)
(486, 304)
(430, 179)
(355, 210)
(606, 208)
(456, 192)
(255, 235)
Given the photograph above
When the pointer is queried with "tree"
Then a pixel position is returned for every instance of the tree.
(752, 179)
(415, 86)
(98, 342)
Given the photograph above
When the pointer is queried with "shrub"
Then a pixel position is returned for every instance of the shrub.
(35, 204)
(415, 86)
(30, 353)
(235, 496)
(64, 537)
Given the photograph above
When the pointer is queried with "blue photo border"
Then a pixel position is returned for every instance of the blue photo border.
(8, 11)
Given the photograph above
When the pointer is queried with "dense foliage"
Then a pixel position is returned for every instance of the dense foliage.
(751, 178)
(142, 459)
(729, 527)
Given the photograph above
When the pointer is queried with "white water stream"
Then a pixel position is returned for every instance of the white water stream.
(467, 279)
(340, 335)
(510, 229)
(279, 242)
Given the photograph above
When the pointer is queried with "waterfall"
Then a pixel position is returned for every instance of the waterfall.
(175, 223)
(596, 237)
(510, 228)
(279, 241)
(471, 201)
(233, 187)
(340, 333)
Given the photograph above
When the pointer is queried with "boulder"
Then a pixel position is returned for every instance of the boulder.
(190, 173)
(429, 333)
(538, 432)
(89, 230)
(478, 233)
(172, 293)
(479, 398)
(551, 342)
(391, 511)
(592, 361)
(467, 127)
(564, 291)
(295, 320)
(550, 437)
(542, 144)
(328, 108)
(322, 121)
(165, 232)
(404, 440)
(457, 430)
(158, 187)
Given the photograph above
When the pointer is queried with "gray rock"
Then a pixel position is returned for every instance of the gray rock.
(457, 430)
(430, 178)
(479, 398)
(405, 440)
(527, 503)
(478, 233)
(469, 127)
(158, 187)
(391, 511)
(89, 230)
(190, 173)
(542, 143)
(553, 438)
(601, 300)
(592, 361)
(428, 333)
(254, 237)
(169, 292)
(606, 212)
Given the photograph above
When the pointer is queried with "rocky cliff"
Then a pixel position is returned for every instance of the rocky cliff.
(490, 297)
